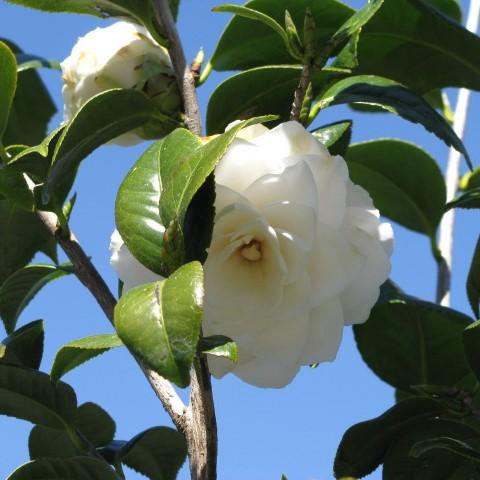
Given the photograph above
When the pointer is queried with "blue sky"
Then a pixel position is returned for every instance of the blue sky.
(263, 433)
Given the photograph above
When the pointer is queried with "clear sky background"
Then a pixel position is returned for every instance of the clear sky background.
(263, 433)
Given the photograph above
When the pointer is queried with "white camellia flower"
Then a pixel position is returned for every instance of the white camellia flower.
(122, 55)
(297, 252)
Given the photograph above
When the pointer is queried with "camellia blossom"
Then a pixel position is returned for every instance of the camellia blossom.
(298, 251)
(122, 55)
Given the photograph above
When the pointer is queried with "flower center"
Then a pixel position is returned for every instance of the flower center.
(252, 251)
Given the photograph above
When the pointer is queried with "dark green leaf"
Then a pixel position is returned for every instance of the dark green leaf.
(438, 100)
(451, 8)
(31, 111)
(335, 136)
(364, 445)
(391, 171)
(473, 281)
(14, 187)
(24, 347)
(263, 46)
(95, 424)
(471, 342)
(29, 395)
(410, 342)
(77, 468)
(20, 287)
(76, 353)
(8, 82)
(395, 98)
(44, 442)
(260, 91)
(101, 119)
(161, 321)
(469, 199)
(445, 443)
(219, 346)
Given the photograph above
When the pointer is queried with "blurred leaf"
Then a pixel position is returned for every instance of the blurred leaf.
(76, 468)
(219, 346)
(469, 199)
(471, 342)
(395, 98)
(364, 445)
(411, 342)
(101, 119)
(20, 287)
(26, 62)
(160, 322)
(445, 443)
(439, 101)
(473, 281)
(335, 136)
(260, 91)
(32, 108)
(263, 46)
(29, 395)
(405, 183)
(451, 8)
(76, 353)
(24, 347)
(411, 42)
(470, 180)
(8, 82)
(158, 453)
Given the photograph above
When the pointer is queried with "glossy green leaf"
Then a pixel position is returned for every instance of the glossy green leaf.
(77, 468)
(20, 287)
(391, 171)
(469, 199)
(24, 347)
(411, 342)
(76, 353)
(395, 98)
(101, 119)
(364, 445)
(263, 46)
(335, 136)
(29, 395)
(473, 281)
(445, 443)
(157, 453)
(31, 110)
(405, 34)
(8, 82)
(260, 91)
(160, 322)
(219, 346)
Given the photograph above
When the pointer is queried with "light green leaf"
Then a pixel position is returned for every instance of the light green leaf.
(29, 395)
(470, 180)
(391, 171)
(24, 347)
(19, 288)
(160, 322)
(335, 136)
(473, 281)
(76, 468)
(219, 346)
(395, 98)
(76, 353)
(8, 83)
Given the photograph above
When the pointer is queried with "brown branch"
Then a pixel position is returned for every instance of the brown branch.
(91, 279)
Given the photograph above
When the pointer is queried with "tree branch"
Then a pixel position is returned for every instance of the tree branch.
(91, 279)
(300, 92)
(452, 176)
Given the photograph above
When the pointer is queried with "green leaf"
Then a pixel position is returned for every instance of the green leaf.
(101, 119)
(335, 136)
(473, 281)
(26, 62)
(31, 110)
(391, 171)
(219, 346)
(395, 98)
(77, 468)
(445, 443)
(260, 91)
(263, 46)
(470, 180)
(451, 8)
(14, 187)
(93, 422)
(20, 287)
(76, 353)
(405, 34)
(8, 82)
(364, 445)
(24, 347)
(160, 322)
(471, 341)
(469, 199)
(157, 453)
(411, 342)
(29, 395)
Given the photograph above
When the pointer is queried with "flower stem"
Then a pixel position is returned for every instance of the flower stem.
(301, 91)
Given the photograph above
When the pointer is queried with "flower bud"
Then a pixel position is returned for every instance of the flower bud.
(123, 55)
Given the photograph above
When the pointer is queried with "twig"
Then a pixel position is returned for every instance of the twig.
(301, 91)
(447, 225)
(89, 276)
